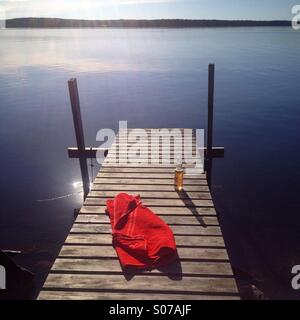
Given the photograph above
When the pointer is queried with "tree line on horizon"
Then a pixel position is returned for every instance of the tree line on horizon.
(130, 23)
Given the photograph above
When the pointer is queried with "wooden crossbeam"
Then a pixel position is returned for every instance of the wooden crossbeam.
(91, 153)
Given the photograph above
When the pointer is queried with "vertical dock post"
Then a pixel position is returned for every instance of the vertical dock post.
(210, 114)
(210, 118)
(74, 96)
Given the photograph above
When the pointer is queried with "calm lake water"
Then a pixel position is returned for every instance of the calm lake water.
(155, 78)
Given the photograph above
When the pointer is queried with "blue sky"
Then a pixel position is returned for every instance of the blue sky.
(150, 9)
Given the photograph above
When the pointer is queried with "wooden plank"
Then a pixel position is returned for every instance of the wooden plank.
(163, 139)
(141, 283)
(140, 136)
(157, 202)
(155, 129)
(141, 150)
(147, 158)
(152, 147)
(148, 161)
(177, 229)
(204, 211)
(170, 182)
(165, 131)
(194, 245)
(157, 139)
(133, 188)
(155, 195)
(143, 165)
(153, 151)
(159, 163)
(171, 220)
(187, 268)
(217, 152)
(180, 149)
(140, 175)
(138, 170)
(92, 295)
(187, 150)
(164, 142)
(88, 250)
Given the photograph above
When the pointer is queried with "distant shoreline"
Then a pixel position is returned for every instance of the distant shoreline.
(129, 23)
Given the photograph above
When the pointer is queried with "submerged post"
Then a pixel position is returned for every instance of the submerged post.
(210, 118)
(74, 96)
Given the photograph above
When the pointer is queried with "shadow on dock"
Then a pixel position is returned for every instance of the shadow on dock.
(173, 271)
(184, 197)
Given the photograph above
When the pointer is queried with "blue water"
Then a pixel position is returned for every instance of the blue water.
(155, 78)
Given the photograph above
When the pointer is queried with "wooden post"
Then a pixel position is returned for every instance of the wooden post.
(210, 114)
(210, 118)
(74, 96)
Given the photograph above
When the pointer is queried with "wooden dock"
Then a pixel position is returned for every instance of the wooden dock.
(88, 268)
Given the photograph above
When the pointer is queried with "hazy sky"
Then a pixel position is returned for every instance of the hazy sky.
(150, 9)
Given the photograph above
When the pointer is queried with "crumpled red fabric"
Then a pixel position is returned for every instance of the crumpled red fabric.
(141, 239)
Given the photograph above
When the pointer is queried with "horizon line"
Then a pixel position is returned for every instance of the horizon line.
(154, 19)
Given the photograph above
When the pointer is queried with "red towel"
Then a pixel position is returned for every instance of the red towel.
(140, 237)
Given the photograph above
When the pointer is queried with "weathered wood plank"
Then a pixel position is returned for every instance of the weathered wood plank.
(186, 268)
(166, 139)
(201, 211)
(177, 229)
(140, 175)
(133, 164)
(155, 195)
(164, 142)
(92, 295)
(141, 137)
(147, 159)
(153, 136)
(132, 147)
(190, 130)
(152, 152)
(156, 131)
(171, 220)
(107, 251)
(169, 182)
(141, 283)
(147, 154)
(217, 152)
(157, 202)
(138, 169)
(195, 242)
(132, 188)
(163, 139)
